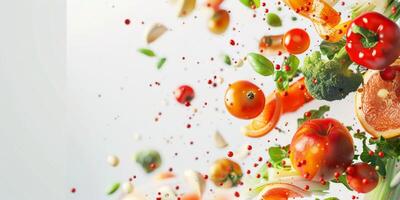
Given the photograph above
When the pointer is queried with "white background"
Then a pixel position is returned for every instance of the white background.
(105, 90)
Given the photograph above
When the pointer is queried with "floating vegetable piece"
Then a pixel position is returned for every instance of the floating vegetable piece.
(164, 176)
(185, 7)
(161, 63)
(396, 180)
(272, 44)
(295, 97)
(225, 173)
(219, 21)
(150, 160)
(154, 32)
(273, 19)
(147, 52)
(330, 79)
(321, 148)
(260, 64)
(219, 140)
(190, 196)
(196, 181)
(244, 100)
(113, 188)
(378, 110)
(184, 94)
(373, 41)
(214, 3)
(227, 60)
(251, 3)
(113, 160)
(127, 187)
(296, 41)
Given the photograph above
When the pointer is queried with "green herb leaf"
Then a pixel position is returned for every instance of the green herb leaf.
(161, 62)
(147, 52)
(315, 114)
(281, 80)
(331, 198)
(260, 64)
(277, 154)
(113, 188)
(251, 3)
(273, 19)
(330, 49)
(293, 62)
(343, 180)
(227, 60)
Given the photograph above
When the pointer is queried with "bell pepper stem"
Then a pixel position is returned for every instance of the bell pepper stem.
(369, 38)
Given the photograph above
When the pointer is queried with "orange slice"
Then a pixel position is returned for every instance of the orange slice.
(377, 105)
(281, 191)
(267, 120)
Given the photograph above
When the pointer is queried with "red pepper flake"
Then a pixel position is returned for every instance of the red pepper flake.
(263, 4)
(307, 114)
(394, 10)
(127, 21)
(249, 147)
(73, 190)
(232, 42)
(230, 154)
(205, 176)
(370, 152)
(188, 125)
(307, 187)
(381, 154)
(237, 194)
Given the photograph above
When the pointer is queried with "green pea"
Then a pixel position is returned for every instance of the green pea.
(273, 20)
(261, 64)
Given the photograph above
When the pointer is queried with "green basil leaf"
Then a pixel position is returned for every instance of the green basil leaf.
(293, 62)
(277, 154)
(147, 52)
(161, 62)
(227, 60)
(260, 64)
(273, 19)
(113, 188)
(281, 80)
(251, 3)
(315, 114)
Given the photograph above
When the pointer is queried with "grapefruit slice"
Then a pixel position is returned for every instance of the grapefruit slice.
(281, 191)
(377, 105)
(267, 120)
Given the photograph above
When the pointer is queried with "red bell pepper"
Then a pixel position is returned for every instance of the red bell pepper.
(373, 41)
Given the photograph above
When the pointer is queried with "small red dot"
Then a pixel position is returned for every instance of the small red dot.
(73, 190)
(230, 154)
(232, 42)
(127, 21)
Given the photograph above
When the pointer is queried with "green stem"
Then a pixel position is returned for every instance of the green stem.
(343, 58)
(369, 39)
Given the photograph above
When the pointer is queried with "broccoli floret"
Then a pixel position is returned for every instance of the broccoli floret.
(330, 79)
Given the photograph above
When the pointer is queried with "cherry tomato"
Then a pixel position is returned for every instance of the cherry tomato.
(219, 22)
(296, 41)
(388, 74)
(362, 177)
(184, 94)
(244, 100)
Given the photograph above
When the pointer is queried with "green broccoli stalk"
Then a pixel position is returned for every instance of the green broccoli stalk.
(330, 79)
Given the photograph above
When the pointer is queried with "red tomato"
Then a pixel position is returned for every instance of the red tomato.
(362, 177)
(244, 100)
(296, 41)
(184, 94)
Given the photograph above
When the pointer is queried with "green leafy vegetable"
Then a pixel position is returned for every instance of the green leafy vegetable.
(314, 114)
(289, 69)
(113, 188)
(330, 79)
(273, 19)
(342, 180)
(260, 64)
(389, 8)
(147, 52)
(277, 155)
(251, 3)
(161, 62)
(150, 160)
(330, 49)
(227, 60)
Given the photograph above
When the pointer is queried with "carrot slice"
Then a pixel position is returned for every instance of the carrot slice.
(295, 97)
